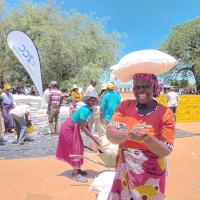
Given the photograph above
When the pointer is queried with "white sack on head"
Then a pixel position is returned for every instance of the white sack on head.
(144, 61)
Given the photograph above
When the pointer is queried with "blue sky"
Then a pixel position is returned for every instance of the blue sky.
(147, 23)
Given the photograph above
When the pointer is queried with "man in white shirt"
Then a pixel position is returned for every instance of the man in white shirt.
(20, 117)
(46, 93)
(172, 100)
(94, 120)
(91, 87)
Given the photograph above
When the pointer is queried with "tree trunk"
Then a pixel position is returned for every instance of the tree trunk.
(1, 79)
(197, 79)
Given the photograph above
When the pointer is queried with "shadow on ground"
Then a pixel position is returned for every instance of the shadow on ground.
(68, 173)
(45, 145)
(182, 134)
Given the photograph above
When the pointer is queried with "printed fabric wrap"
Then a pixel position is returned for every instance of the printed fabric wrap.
(139, 175)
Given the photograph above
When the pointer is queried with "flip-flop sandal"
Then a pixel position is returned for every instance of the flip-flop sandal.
(82, 172)
(80, 178)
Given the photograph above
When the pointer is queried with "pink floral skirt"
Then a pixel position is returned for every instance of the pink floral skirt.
(140, 175)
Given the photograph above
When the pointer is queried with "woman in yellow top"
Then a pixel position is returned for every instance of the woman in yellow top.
(76, 96)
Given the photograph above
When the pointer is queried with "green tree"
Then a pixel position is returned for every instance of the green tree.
(1, 46)
(73, 47)
(180, 83)
(184, 44)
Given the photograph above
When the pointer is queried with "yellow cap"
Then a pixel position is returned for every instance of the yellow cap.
(6, 86)
(110, 86)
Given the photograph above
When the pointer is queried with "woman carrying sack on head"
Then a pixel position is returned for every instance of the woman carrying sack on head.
(144, 130)
(70, 142)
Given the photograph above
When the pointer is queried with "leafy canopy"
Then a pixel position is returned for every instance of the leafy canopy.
(73, 47)
(184, 44)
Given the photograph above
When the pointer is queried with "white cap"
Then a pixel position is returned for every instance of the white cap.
(89, 95)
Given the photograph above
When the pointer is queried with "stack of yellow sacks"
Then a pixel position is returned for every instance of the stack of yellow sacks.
(188, 109)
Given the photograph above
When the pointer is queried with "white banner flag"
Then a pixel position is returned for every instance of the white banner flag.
(25, 50)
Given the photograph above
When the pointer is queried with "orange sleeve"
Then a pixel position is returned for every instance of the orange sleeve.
(168, 127)
(73, 95)
(118, 114)
(118, 119)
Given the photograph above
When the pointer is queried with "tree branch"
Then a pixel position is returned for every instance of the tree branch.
(186, 68)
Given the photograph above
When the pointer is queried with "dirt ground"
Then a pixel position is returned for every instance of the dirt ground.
(50, 179)
(193, 127)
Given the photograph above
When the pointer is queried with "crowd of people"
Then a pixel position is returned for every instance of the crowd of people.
(143, 128)
(13, 117)
(54, 98)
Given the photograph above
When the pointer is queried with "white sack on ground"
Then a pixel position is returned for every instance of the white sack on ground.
(103, 180)
(105, 145)
(108, 149)
(103, 183)
(103, 194)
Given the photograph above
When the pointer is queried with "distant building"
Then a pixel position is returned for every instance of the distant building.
(125, 87)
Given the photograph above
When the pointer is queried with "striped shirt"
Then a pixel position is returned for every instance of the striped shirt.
(55, 96)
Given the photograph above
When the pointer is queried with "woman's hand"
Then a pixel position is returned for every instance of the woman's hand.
(136, 136)
(86, 130)
(138, 133)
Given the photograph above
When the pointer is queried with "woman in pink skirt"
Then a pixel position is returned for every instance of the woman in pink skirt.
(70, 142)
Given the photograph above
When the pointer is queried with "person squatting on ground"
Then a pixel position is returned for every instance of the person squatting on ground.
(20, 116)
(70, 142)
(110, 101)
(54, 104)
(144, 130)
